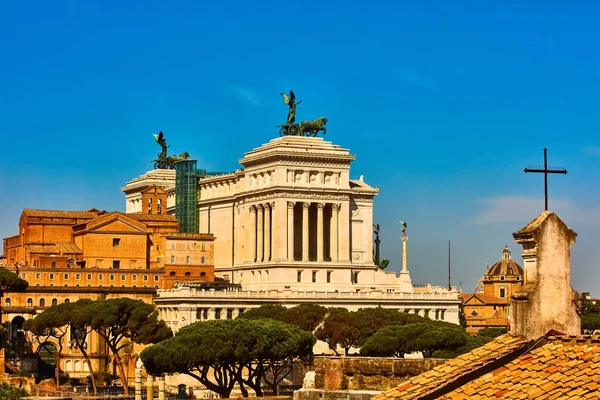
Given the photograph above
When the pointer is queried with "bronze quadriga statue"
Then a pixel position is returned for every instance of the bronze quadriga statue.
(304, 128)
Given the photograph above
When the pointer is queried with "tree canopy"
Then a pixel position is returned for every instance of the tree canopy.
(304, 316)
(221, 353)
(11, 282)
(397, 340)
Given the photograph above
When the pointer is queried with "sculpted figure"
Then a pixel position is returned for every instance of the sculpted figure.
(291, 102)
(311, 128)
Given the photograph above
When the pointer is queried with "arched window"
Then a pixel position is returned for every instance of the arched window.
(42, 302)
(7, 302)
(54, 302)
(202, 273)
(172, 273)
(67, 301)
(188, 273)
(30, 302)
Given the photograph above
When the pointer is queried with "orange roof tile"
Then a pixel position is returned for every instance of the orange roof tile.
(455, 369)
(61, 213)
(560, 367)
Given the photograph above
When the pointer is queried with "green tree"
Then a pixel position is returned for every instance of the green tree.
(305, 316)
(491, 332)
(222, 352)
(590, 323)
(11, 282)
(273, 311)
(397, 340)
(51, 324)
(340, 328)
(123, 318)
(9, 392)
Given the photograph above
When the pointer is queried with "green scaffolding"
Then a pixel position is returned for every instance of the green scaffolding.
(186, 195)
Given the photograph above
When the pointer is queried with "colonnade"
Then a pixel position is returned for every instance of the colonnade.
(333, 231)
(260, 231)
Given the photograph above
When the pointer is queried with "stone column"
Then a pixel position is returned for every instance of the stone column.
(305, 207)
(138, 380)
(404, 259)
(150, 387)
(161, 387)
(259, 233)
(268, 212)
(290, 230)
(253, 232)
(333, 233)
(320, 230)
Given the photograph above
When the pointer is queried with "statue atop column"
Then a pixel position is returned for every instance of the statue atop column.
(304, 128)
(163, 161)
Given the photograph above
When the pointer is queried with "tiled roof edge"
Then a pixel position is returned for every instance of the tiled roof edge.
(477, 373)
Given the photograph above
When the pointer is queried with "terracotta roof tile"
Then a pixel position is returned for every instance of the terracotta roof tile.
(456, 368)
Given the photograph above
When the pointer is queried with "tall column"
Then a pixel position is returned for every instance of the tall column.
(305, 207)
(333, 232)
(150, 387)
(259, 233)
(253, 232)
(138, 379)
(404, 240)
(161, 387)
(290, 230)
(268, 212)
(320, 229)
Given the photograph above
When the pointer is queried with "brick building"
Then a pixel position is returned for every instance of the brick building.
(488, 306)
(69, 255)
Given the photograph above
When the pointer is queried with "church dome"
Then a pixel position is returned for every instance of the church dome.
(506, 266)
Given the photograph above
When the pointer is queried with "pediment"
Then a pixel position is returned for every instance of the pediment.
(116, 222)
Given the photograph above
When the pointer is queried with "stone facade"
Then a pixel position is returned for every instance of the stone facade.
(547, 301)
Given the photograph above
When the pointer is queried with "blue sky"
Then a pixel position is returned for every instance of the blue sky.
(443, 104)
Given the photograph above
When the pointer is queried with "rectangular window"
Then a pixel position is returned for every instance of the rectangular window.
(116, 242)
(187, 259)
(299, 276)
(188, 246)
(502, 292)
(24, 275)
(217, 313)
(202, 260)
(51, 276)
(53, 264)
(145, 277)
(173, 259)
(89, 277)
(229, 313)
(123, 277)
(38, 275)
(111, 277)
(203, 246)
(66, 276)
(134, 277)
(100, 277)
(314, 276)
(328, 276)
(77, 276)
(173, 247)
(116, 264)
(156, 277)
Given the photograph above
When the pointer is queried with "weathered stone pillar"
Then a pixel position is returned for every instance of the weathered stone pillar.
(259, 233)
(404, 255)
(138, 379)
(290, 230)
(305, 207)
(333, 233)
(320, 239)
(211, 314)
(150, 387)
(253, 232)
(268, 213)
(161, 387)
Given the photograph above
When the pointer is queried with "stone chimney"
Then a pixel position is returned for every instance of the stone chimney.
(546, 301)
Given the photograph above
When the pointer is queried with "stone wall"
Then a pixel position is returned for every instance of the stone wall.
(362, 373)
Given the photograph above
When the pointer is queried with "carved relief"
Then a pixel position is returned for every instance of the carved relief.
(321, 205)
(306, 205)
(291, 204)
(313, 196)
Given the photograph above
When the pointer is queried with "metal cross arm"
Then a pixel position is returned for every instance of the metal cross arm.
(546, 171)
